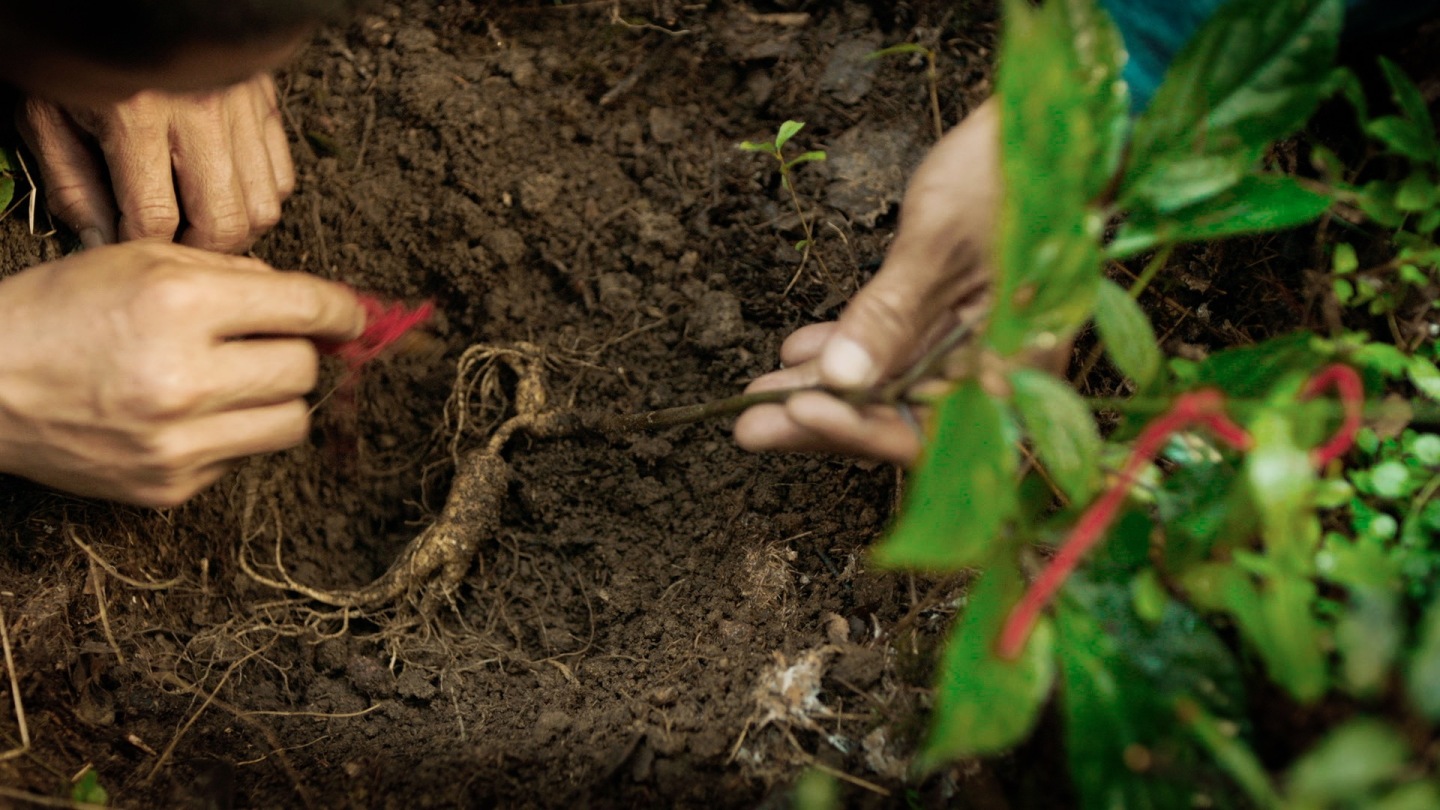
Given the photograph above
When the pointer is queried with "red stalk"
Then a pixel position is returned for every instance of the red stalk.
(1205, 408)
(1347, 384)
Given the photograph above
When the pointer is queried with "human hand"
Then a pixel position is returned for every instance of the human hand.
(219, 162)
(932, 277)
(141, 372)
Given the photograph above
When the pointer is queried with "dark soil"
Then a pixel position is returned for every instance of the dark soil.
(565, 177)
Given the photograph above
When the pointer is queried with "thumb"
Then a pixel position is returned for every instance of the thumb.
(74, 180)
(888, 323)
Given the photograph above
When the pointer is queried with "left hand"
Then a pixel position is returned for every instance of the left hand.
(216, 162)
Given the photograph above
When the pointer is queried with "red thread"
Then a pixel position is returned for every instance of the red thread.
(384, 325)
(1205, 408)
(1347, 384)
(1200, 407)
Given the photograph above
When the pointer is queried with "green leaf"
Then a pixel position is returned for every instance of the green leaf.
(1354, 760)
(88, 790)
(984, 705)
(1402, 137)
(1256, 204)
(1063, 117)
(1422, 678)
(1412, 104)
(808, 157)
(1129, 337)
(962, 494)
(1253, 74)
(1425, 377)
(752, 146)
(1062, 429)
(7, 178)
(1109, 711)
(788, 130)
(1251, 371)
(902, 49)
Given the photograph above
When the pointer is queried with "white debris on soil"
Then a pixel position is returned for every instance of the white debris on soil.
(789, 692)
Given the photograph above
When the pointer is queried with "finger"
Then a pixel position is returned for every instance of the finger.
(873, 433)
(137, 153)
(806, 342)
(194, 454)
(829, 426)
(206, 176)
(76, 190)
(276, 143)
(252, 431)
(262, 371)
(804, 375)
(252, 160)
(298, 304)
(170, 490)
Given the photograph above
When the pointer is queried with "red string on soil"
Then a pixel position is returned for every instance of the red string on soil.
(1200, 408)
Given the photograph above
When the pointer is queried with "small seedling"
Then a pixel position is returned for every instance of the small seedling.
(776, 150)
(87, 790)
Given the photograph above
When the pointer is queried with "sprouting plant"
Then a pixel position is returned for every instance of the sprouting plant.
(932, 76)
(786, 167)
(87, 789)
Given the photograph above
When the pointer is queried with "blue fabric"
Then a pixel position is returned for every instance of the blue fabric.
(1155, 30)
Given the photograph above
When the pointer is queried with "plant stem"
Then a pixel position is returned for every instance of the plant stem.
(1234, 757)
(789, 185)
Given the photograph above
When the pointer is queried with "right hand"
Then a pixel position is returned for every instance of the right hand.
(142, 372)
(935, 275)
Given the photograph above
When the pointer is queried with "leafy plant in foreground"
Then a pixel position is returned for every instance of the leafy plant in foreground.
(1242, 461)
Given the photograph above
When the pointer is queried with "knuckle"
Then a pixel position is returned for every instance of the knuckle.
(153, 219)
(224, 229)
(264, 215)
(155, 392)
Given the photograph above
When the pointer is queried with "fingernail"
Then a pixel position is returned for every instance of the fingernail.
(91, 238)
(846, 364)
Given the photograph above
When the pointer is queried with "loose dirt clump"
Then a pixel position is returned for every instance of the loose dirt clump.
(468, 589)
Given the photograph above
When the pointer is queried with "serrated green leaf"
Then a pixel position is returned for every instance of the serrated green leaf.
(1129, 338)
(963, 492)
(1062, 430)
(1347, 765)
(984, 705)
(1255, 204)
(1246, 79)
(788, 130)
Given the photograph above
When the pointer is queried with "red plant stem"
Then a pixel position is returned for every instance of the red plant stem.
(1347, 384)
(1205, 408)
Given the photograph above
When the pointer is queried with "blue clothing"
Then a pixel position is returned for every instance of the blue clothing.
(1155, 30)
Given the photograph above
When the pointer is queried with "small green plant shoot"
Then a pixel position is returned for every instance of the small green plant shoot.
(786, 167)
